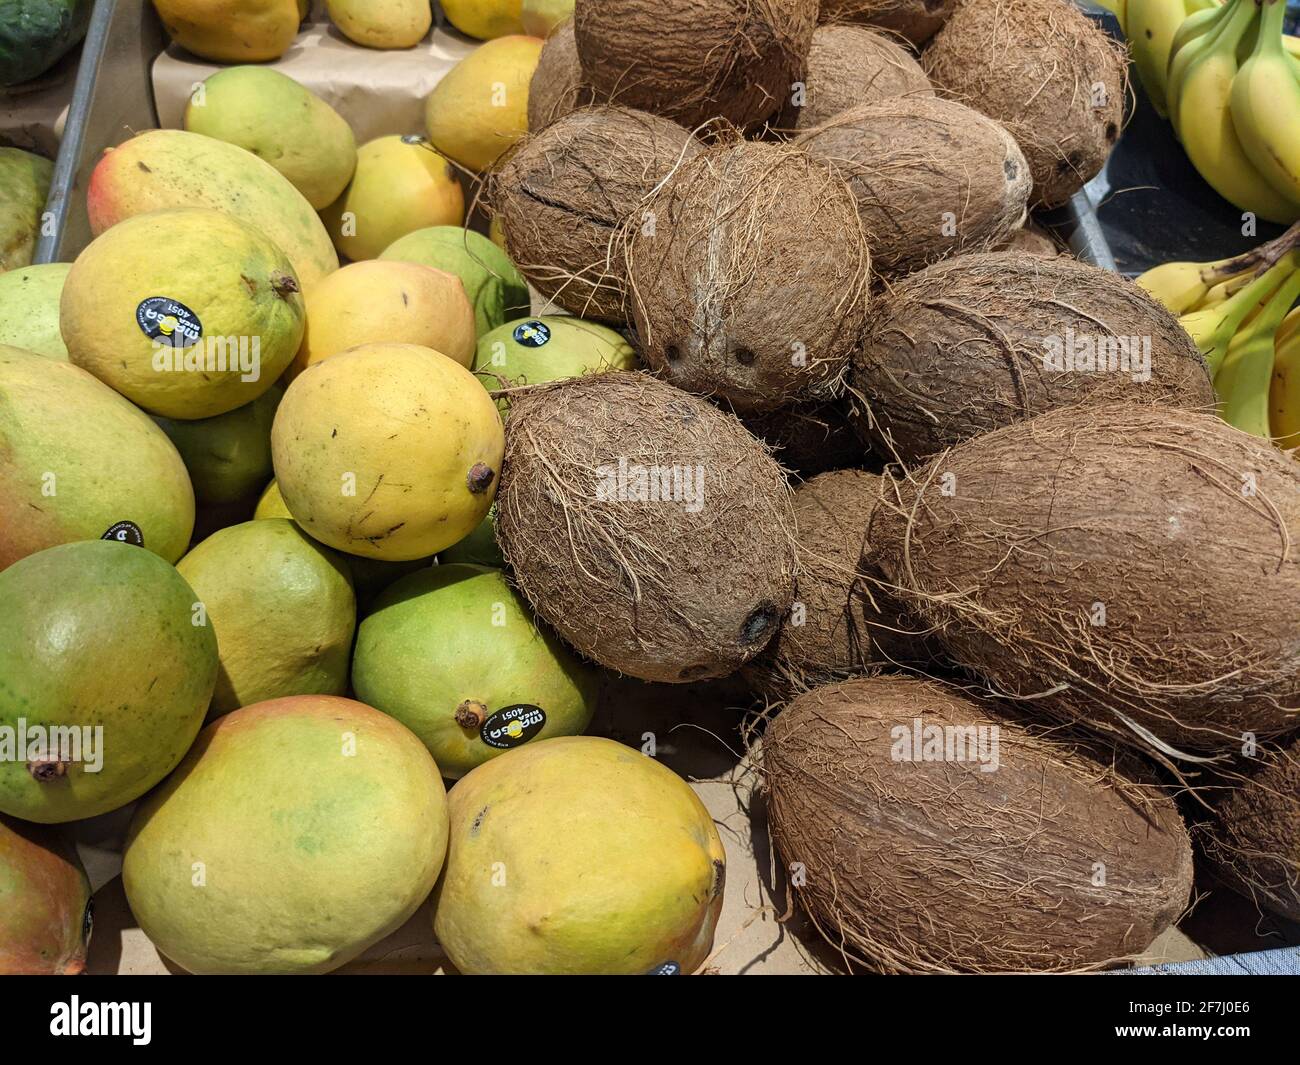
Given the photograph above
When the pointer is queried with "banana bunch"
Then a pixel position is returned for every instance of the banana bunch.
(1240, 314)
(1229, 80)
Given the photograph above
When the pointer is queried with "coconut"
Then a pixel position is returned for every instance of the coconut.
(557, 87)
(1032, 239)
(1252, 839)
(649, 528)
(916, 20)
(852, 65)
(840, 625)
(981, 341)
(1048, 73)
(750, 278)
(809, 438)
(1129, 567)
(695, 60)
(917, 857)
(932, 177)
(563, 196)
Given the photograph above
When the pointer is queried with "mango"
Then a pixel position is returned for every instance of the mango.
(374, 301)
(173, 168)
(540, 17)
(578, 855)
(484, 19)
(29, 309)
(454, 654)
(77, 462)
(530, 351)
(479, 548)
(389, 451)
(401, 184)
(229, 456)
(370, 576)
(24, 186)
(45, 907)
(382, 23)
(283, 610)
(272, 116)
(296, 833)
(181, 334)
(496, 290)
(100, 641)
(480, 109)
(232, 31)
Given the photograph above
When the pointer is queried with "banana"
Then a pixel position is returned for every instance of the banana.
(1244, 382)
(1150, 26)
(1284, 392)
(1208, 132)
(1183, 286)
(1212, 329)
(1266, 107)
(1194, 36)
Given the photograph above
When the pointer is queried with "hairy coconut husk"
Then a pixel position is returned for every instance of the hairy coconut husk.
(1059, 860)
(971, 344)
(1252, 838)
(841, 625)
(849, 66)
(752, 277)
(563, 196)
(917, 20)
(931, 177)
(557, 87)
(695, 60)
(810, 438)
(659, 589)
(1130, 568)
(1048, 73)
(1032, 239)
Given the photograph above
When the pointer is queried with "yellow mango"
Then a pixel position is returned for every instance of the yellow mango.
(484, 19)
(401, 184)
(480, 109)
(382, 23)
(232, 31)
(378, 300)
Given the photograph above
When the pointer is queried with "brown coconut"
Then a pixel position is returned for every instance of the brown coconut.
(972, 344)
(916, 20)
(1252, 839)
(1048, 73)
(695, 60)
(1032, 239)
(840, 625)
(752, 282)
(556, 87)
(932, 178)
(917, 860)
(563, 196)
(809, 438)
(1131, 568)
(852, 65)
(669, 589)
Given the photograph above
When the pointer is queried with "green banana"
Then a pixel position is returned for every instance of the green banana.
(1213, 328)
(1284, 393)
(1245, 379)
(1208, 132)
(1151, 26)
(1266, 107)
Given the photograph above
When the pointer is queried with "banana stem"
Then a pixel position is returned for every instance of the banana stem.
(1257, 259)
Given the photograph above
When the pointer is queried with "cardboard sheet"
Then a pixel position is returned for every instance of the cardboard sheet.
(32, 115)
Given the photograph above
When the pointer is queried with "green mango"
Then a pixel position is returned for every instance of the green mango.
(24, 186)
(29, 309)
(228, 456)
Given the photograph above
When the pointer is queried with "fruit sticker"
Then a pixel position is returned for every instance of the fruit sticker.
(125, 532)
(533, 334)
(668, 968)
(169, 320)
(512, 725)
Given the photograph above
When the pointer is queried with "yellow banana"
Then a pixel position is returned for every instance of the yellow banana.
(1212, 329)
(1194, 36)
(1284, 392)
(1150, 26)
(1205, 122)
(1244, 382)
(1181, 286)
(1266, 107)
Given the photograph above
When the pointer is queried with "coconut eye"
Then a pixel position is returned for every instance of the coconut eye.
(758, 624)
(672, 353)
(745, 356)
